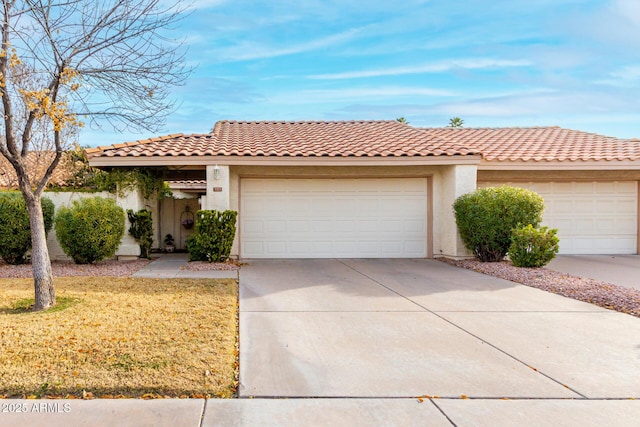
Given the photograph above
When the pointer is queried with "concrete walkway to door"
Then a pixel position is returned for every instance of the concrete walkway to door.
(366, 338)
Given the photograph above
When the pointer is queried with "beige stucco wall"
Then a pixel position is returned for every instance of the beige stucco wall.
(454, 182)
(128, 247)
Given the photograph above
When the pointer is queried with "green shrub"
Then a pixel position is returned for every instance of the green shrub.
(213, 236)
(142, 230)
(533, 247)
(90, 230)
(486, 217)
(15, 228)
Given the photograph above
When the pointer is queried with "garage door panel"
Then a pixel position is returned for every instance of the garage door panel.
(560, 206)
(299, 247)
(273, 227)
(321, 247)
(334, 218)
(345, 226)
(391, 226)
(275, 247)
(624, 205)
(254, 227)
(415, 247)
(628, 187)
(415, 226)
(623, 224)
(591, 217)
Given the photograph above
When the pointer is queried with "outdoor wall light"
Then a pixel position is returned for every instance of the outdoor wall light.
(216, 172)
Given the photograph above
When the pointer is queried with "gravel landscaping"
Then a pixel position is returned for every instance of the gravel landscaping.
(210, 266)
(607, 295)
(109, 268)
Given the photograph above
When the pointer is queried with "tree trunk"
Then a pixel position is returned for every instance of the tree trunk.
(45, 295)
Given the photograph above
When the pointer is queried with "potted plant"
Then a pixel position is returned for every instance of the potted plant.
(168, 243)
(187, 223)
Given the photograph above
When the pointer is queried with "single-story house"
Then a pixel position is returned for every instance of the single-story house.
(371, 189)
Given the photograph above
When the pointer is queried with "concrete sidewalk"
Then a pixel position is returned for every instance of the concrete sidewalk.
(623, 270)
(318, 412)
(169, 266)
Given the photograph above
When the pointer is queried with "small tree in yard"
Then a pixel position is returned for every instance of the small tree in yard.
(486, 218)
(142, 230)
(90, 230)
(67, 60)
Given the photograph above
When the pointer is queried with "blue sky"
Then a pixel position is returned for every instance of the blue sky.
(570, 63)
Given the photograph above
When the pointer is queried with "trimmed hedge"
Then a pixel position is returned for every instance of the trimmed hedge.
(142, 230)
(213, 236)
(486, 218)
(15, 228)
(90, 230)
(533, 247)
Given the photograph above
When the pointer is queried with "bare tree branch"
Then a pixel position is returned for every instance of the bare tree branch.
(66, 60)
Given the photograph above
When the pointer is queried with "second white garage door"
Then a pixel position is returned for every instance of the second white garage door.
(333, 218)
(591, 217)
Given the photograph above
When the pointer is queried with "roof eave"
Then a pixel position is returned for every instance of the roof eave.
(557, 164)
(172, 161)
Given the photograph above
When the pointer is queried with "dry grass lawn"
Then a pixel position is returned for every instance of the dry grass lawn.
(120, 337)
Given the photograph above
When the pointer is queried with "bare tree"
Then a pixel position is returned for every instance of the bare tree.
(67, 61)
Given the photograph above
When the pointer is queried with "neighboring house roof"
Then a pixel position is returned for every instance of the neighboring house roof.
(541, 144)
(37, 164)
(294, 139)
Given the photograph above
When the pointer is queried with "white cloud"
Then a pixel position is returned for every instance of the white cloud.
(629, 9)
(248, 51)
(627, 76)
(437, 67)
(205, 4)
(315, 96)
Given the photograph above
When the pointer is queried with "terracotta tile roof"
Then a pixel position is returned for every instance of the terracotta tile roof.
(295, 139)
(187, 183)
(37, 164)
(540, 144)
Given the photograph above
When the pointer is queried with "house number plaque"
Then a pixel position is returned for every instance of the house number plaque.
(217, 189)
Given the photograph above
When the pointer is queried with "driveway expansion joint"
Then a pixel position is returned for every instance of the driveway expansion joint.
(466, 331)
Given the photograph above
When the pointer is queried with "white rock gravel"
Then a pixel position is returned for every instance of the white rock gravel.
(607, 295)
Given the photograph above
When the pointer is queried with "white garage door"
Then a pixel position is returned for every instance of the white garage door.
(591, 217)
(333, 218)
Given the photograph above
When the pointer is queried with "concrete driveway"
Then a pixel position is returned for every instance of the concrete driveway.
(623, 270)
(393, 329)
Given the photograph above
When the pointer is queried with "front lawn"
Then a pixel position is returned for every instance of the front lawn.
(120, 337)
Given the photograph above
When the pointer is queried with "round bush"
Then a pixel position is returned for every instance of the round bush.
(15, 228)
(486, 218)
(533, 247)
(213, 237)
(90, 230)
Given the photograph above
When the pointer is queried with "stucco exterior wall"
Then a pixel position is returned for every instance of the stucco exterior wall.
(128, 247)
(454, 182)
